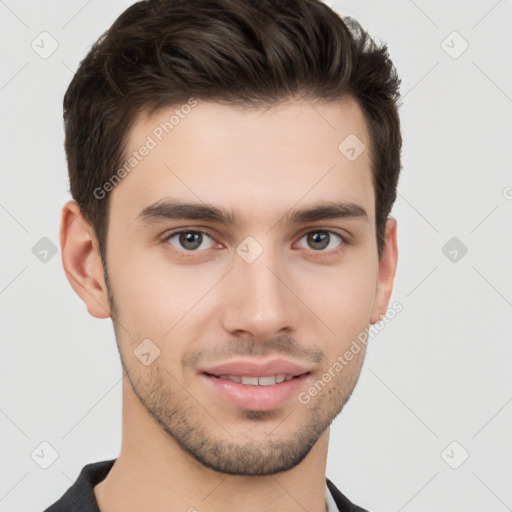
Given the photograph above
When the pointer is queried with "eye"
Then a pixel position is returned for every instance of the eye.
(190, 240)
(320, 239)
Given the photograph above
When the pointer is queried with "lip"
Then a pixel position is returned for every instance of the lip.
(253, 369)
(256, 398)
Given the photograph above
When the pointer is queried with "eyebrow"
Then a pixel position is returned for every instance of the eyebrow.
(166, 209)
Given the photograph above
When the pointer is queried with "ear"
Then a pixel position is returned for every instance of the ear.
(81, 260)
(387, 268)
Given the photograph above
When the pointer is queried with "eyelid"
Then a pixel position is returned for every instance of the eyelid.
(344, 235)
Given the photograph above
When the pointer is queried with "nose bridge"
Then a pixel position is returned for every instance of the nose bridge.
(260, 303)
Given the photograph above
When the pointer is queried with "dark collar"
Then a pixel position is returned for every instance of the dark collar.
(80, 496)
(342, 502)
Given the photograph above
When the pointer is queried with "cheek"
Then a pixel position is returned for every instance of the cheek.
(153, 295)
(344, 300)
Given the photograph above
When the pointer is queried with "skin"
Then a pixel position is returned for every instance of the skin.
(210, 306)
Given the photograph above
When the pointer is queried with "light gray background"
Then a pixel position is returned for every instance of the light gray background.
(438, 373)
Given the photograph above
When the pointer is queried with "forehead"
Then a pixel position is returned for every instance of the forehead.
(256, 163)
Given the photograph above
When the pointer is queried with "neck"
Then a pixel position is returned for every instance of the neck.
(153, 473)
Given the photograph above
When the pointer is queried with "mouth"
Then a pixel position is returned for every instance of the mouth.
(255, 386)
(267, 380)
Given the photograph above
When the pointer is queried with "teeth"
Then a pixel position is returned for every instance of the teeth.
(267, 381)
(252, 381)
(234, 378)
(258, 381)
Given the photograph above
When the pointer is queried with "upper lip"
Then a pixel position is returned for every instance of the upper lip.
(252, 369)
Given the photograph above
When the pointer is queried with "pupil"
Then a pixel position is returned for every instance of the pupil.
(191, 238)
(320, 237)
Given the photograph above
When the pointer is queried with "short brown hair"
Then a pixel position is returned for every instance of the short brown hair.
(159, 53)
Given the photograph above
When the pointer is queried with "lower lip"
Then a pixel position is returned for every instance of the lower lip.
(256, 398)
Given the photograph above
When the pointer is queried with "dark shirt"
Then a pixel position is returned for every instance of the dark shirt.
(80, 496)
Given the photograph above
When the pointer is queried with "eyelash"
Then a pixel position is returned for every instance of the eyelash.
(344, 241)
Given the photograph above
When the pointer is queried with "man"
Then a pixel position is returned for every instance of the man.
(233, 165)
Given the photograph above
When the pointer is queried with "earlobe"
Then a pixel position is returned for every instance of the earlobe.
(81, 260)
(387, 269)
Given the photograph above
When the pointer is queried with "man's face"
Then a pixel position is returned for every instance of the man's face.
(259, 291)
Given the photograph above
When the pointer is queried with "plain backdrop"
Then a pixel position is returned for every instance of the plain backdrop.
(428, 426)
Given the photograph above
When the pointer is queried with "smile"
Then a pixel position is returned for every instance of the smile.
(269, 380)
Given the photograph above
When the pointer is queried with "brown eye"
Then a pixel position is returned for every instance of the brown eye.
(319, 240)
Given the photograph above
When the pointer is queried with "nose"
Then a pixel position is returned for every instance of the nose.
(260, 302)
